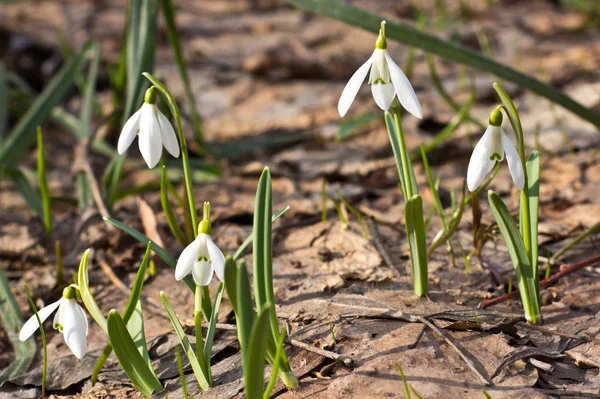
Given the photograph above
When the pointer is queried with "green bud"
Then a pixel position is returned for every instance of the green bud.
(381, 43)
(204, 227)
(69, 293)
(150, 96)
(496, 117)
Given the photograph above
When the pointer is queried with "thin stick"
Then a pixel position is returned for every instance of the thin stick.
(450, 341)
(566, 269)
(322, 352)
(376, 238)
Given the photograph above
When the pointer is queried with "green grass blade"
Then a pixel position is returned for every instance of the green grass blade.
(434, 189)
(198, 365)
(212, 326)
(12, 322)
(44, 346)
(248, 239)
(533, 180)
(415, 231)
(3, 102)
(528, 289)
(24, 132)
(85, 115)
(135, 326)
(171, 30)
(276, 363)
(132, 362)
(254, 361)
(404, 382)
(231, 282)
(23, 185)
(404, 33)
(43, 182)
(182, 381)
(86, 295)
(245, 314)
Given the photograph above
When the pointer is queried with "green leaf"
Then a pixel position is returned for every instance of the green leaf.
(528, 289)
(415, 231)
(24, 132)
(135, 326)
(279, 354)
(198, 365)
(171, 29)
(513, 115)
(231, 281)
(3, 102)
(248, 240)
(85, 115)
(43, 182)
(12, 322)
(533, 181)
(86, 295)
(23, 185)
(168, 210)
(254, 359)
(44, 345)
(210, 332)
(349, 126)
(245, 314)
(405, 33)
(132, 362)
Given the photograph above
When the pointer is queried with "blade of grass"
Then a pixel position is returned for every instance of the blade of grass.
(254, 361)
(449, 50)
(3, 102)
(23, 185)
(168, 210)
(43, 182)
(415, 231)
(44, 346)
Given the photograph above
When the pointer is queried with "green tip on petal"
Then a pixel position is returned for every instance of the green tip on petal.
(69, 293)
(204, 227)
(496, 117)
(381, 43)
(150, 96)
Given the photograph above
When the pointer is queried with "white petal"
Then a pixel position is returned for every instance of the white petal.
(353, 85)
(129, 132)
(403, 88)
(32, 325)
(216, 258)
(514, 162)
(186, 260)
(383, 95)
(150, 140)
(202, 272)
(169, 139)
(75, 328)
(480, 164)
(59, 317)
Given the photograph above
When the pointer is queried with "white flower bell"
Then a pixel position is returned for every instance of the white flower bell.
(386, 79)
(70, 320)
(491, 148)
(155, 131)
(201, 257)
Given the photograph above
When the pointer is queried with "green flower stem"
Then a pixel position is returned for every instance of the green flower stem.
(404, 154)
(43, 333)
(198, 321)
(187, 175)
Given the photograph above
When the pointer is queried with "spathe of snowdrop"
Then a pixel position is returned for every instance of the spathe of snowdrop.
(155, 131)
(491, 148)
(386, 79)
(70, 319)
(201, 257)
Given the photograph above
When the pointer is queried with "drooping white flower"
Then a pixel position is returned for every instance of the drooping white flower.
(386, 79)
(155, 131)
(490, 149)
(70, 320)
(201, 257)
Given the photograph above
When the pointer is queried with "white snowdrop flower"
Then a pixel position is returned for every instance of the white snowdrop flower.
(155, 131)
(386, 79)
(490, 149)
(70, 320)
(201, 257)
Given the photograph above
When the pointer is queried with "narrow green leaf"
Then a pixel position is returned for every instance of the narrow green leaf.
(210, 332)
(245, 314)
(24, 132)
(135, 326)
(528, 289)
(3, 102)
(12, 322)
(43, 183)
(276, 363)
(198, 365)
(533, 180)
(172, 35)
(351, 125)
(85, 115)
(254, 361)
(23, 185)
(44, 346)
(136, 368)
(415, 231)
(513, 115)
(434, 188)
(86, 295)
(168, 210)
(231, 282)
(181, 374)
(405, 33)
(248, 240)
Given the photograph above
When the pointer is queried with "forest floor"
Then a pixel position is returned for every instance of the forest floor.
(267, 79)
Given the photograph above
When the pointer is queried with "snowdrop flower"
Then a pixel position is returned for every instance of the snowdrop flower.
(155, 131)
(386, 79)
(70, 320)
(201, 257)
(491, 148)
